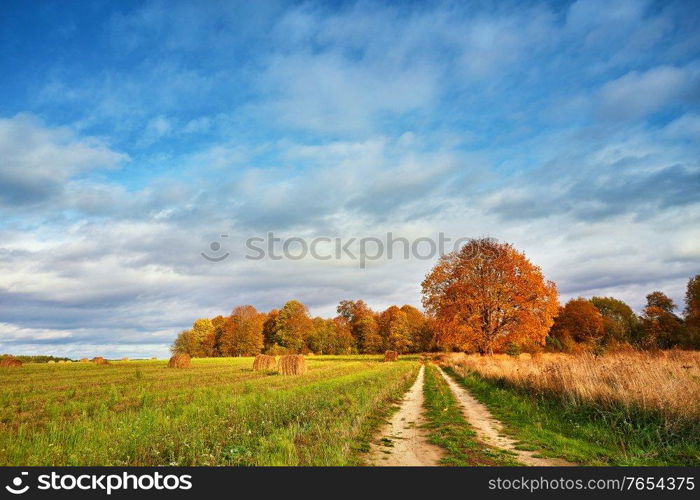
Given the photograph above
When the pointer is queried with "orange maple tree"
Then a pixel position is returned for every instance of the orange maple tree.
(488, 294)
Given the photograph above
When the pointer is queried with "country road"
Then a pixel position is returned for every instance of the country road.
(489, 430)
(402, 441)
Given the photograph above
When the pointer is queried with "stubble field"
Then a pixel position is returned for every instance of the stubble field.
(218, 412)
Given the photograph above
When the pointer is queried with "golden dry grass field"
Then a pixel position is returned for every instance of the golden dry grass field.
(626, 408)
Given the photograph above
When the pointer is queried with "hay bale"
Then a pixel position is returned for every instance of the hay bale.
(50, 362)
(154, 358)
(391, 356)
(84, 360)
(263, 362)
(180, 361)
(125, 359)
(10, 362)
(99, 360)
(292, 364)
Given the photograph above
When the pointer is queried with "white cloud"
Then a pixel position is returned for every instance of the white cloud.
(636, 94)
(36, 160)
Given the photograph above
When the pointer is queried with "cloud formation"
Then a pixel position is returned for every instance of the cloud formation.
(570, 130)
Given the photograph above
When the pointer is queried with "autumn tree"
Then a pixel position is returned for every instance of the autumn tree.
(363, 325)
(488, 294)
(395, 330)
(210, 343)
(417, 330)
(248, 327)
(579, 321)
(620, 323)
(661, 327)
(292, 326)
(227, 337)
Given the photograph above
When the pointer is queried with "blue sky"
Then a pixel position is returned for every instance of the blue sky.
(134, 134)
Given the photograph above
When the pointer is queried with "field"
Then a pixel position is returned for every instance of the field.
(219, 412)
(628, 408)
(622, 409)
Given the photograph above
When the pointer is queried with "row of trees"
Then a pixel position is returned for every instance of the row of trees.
(356, 329)
(603, 322)
(486, 297)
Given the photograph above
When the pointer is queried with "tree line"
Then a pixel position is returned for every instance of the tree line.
(486, 297)
(291, 329)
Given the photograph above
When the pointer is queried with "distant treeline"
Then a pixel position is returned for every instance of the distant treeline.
(486, 297)
(34, 359)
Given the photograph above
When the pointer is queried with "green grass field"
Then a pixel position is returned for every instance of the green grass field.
(219, 412)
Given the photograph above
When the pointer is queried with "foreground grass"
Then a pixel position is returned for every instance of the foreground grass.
(583, 432)
(449, 429)
(219, 412)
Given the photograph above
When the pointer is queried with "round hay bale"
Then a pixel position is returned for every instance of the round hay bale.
(10, 362)
(84, 360)
(180, 361)
(125, 359)
(391, 356)
(50, 362)
(264, 362)
(99, 360)
(292, 364)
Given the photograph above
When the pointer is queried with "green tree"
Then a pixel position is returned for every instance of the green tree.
(691, 312)
(661, 327)
(186, 342)
(270, 328)
(619, 321)
(331, 336)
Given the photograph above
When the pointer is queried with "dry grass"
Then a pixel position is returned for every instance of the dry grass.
(263, 362)
(292, 364)
(180, 361)
(667, 383)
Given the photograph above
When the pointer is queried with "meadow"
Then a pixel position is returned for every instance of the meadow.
(626, 408)
(218, 412)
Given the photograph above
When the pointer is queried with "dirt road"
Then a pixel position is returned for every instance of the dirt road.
(489, 430)
(402, 442)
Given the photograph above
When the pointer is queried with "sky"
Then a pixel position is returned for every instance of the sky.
(134, 135)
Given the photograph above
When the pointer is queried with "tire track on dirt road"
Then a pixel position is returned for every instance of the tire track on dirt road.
(489, 430)
(403, 441)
